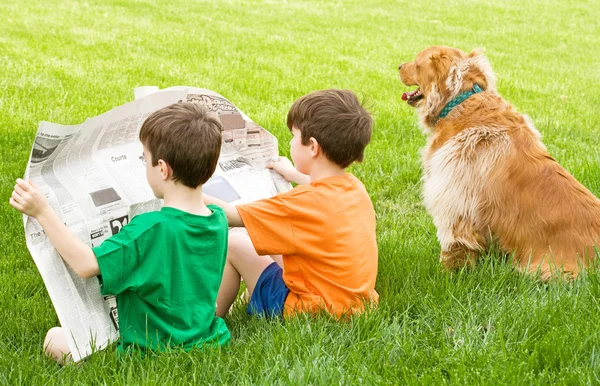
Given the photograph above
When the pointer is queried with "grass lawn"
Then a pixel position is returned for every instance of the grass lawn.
(63, 61)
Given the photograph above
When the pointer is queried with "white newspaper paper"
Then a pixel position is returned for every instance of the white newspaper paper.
(94, 177)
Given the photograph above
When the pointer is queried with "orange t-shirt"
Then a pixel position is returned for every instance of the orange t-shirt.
(325, 232)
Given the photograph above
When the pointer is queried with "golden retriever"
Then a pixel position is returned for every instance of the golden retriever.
(487, 175)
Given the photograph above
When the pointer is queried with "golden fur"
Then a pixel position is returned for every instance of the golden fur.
(487, 175)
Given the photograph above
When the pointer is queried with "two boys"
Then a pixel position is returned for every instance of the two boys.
(309, 250)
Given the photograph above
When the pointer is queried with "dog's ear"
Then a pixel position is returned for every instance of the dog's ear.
(476, 52)
(437, 93)
(474, 70)
(439, 62)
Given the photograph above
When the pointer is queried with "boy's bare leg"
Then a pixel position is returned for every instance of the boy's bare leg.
(56, 345)
(276, 258)
(230, 285)
(244, 262)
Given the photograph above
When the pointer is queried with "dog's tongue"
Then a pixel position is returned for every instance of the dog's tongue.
(407, 95)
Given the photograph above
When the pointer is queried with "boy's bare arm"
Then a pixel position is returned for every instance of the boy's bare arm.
(28, 199)
(284, 167)
(233, 216)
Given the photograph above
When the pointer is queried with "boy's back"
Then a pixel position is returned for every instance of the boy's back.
(326, 233)
(166, 268)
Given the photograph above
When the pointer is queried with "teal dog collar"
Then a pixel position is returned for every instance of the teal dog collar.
(458, 100)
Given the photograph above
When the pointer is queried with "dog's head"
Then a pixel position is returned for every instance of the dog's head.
(441, 73)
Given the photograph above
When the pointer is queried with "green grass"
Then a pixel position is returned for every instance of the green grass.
(63, 61)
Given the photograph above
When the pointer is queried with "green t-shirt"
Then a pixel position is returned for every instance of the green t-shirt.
(166, 268)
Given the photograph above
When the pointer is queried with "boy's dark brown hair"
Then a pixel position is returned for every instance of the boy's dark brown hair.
(186, 137)
(337, 120)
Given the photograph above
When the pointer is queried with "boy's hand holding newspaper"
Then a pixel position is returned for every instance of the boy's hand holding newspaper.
(29, 199)
(285, 167)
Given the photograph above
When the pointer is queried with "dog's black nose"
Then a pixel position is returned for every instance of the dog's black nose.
(400, 66)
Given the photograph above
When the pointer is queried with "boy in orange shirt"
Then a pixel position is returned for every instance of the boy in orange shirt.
(312, 248)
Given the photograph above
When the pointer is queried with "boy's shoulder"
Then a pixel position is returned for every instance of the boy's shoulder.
(327, 186)
(143, 224)
(326, 192)
(347, 180)
(168, 215)
(149, 218)
(169, 221)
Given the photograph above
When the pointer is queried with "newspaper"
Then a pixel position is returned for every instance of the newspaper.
(94, 177)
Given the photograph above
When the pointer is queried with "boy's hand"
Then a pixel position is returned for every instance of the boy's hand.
(29, 199)
(285, 167)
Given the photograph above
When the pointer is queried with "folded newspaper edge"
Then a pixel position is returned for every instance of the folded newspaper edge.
(94, 177)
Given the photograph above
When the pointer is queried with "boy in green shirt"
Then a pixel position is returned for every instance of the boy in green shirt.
(165, 267)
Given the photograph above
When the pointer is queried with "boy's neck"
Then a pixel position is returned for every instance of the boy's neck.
(323, 168)
(184, 198)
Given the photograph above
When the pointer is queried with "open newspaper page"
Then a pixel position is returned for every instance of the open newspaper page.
(94, 177)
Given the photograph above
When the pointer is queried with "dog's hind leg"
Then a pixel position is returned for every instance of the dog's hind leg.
(458, 256)
(465, 249)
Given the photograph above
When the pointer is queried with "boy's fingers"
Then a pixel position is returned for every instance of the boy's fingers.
(23, 184)
(14, 204)
(19, 190)
(16, 197)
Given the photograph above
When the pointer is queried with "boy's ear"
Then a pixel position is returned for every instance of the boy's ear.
(315, 148)
(165, 170)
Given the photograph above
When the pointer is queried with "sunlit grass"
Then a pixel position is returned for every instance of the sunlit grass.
(64, 61)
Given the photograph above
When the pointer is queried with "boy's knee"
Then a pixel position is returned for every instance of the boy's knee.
(56, 346)
(53, 336)
(238, 243)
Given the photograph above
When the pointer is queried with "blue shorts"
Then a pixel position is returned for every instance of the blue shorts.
(269, 293)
